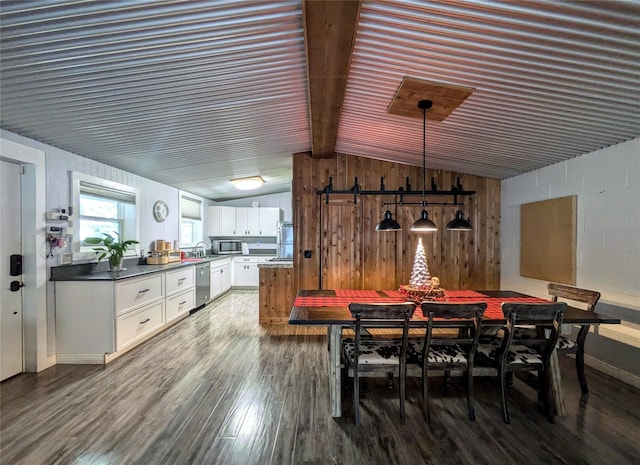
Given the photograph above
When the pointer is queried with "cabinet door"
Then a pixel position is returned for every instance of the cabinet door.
(242, 225)
(179, 280)
(227, 221)
(239, 274)
(269, 218)
(216, 282)
(226, 277)
(247, 221)
(179, 305)
(213, 221)
(253, 275)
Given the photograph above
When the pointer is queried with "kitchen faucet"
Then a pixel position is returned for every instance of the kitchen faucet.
(204, 250)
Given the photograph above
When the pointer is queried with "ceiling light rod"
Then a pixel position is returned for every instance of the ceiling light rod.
(424, 224)
(402, 191)
(451, 204)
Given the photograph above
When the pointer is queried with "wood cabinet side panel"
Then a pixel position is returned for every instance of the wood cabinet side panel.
(85, 317)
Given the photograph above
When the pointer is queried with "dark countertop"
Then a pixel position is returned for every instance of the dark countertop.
(277, 264)
(100, 271)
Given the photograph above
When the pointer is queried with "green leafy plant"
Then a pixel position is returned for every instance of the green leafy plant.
(111, 247)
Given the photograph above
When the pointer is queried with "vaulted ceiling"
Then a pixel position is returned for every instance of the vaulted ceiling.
(193, 94)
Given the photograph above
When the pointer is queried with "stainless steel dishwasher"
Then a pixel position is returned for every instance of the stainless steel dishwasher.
(202, 284)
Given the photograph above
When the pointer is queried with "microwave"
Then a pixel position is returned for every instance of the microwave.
(224, 247)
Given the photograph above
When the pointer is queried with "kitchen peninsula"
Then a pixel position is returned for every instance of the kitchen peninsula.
(276, 291)
(101, 315)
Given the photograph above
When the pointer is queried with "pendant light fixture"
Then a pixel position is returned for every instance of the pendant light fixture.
(459, 223)
(388, 223)
(424, 224)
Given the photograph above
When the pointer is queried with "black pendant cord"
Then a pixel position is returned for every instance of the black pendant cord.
(424, 105)
(424, 155)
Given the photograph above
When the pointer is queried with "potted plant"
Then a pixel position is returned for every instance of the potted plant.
(111, 247)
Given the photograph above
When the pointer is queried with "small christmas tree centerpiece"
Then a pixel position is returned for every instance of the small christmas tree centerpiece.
(421, 285)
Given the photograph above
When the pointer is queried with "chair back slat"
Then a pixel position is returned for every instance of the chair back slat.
(574, 293)
(381, 311)
(466, 317)
(545, 315)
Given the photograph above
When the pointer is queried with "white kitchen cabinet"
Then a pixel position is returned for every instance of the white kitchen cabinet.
(220, 277)
(242, 221)
(97, 321)
(245, 271)
(221, 221)
(180, 280)
(247, 221)
(180, 304)
(269, 218)
(132, 327)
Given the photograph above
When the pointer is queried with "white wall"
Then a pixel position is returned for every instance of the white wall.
(607, 183)
(58, 163)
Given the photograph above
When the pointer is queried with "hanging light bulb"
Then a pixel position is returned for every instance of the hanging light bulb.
(424, 223)
(388, 223)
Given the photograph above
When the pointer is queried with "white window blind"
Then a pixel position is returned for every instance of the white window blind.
(191, 208)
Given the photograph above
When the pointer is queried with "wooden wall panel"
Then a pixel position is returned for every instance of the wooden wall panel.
(351, 254)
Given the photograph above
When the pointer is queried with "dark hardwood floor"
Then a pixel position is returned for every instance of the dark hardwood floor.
(218, 389)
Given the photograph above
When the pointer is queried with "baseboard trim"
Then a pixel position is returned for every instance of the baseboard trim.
(80, 359)
(610, 370)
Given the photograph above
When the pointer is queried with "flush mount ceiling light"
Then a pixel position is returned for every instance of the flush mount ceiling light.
(424, 224)
(247, 184)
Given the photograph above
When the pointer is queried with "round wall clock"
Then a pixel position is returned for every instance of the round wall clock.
(160, 211)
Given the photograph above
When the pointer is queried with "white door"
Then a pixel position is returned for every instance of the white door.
(10, 244)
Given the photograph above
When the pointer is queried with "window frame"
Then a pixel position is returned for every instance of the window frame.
(193, 198)
(79, 250)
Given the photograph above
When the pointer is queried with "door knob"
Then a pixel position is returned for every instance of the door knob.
(15, 286)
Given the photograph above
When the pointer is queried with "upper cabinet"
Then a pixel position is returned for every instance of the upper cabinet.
(269, 218)
(221, 221)
(247, 221)
(242, 221)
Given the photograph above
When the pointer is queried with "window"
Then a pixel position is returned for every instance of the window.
(191, 231)
(103, 207)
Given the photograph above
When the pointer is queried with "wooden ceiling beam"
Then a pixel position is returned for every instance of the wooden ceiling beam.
(329, 32)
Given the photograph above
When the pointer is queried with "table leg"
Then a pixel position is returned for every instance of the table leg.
(335, 373)
(556, 385)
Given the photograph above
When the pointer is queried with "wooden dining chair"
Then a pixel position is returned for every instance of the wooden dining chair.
(366, 354)
(451, 352)
(570, 345)
(530, 354)
(566, 345)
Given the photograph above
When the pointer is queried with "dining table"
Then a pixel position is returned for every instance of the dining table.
(330, 307)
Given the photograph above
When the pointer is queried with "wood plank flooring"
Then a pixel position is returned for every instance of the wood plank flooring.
(218, 389)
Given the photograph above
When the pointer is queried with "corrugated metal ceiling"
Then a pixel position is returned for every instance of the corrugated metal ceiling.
(193, 94)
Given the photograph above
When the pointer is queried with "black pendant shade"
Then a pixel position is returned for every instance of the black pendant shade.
(423, 223)
(388, 223)
(459, 223)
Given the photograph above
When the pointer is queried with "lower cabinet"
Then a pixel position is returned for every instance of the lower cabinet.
(179, 304)
(245, 271)
(220, 277)
(134, 325)
(96, 321)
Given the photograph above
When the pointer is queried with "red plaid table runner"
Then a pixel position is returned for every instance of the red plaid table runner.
(356, 293)
(309, 301)
(455, 294)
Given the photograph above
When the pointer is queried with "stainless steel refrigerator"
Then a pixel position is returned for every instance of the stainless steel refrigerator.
(285, 240)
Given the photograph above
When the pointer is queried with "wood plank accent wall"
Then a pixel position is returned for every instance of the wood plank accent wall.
(346, 250)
